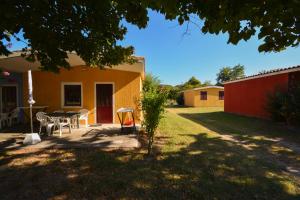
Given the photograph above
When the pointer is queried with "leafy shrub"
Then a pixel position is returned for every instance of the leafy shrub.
(150, 83)
(153, 106)
(180, 99)
(284, 106)
(173, 94)
(276, 101)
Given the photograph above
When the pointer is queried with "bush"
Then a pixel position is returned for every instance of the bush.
(150, 83)
(180, 99)
(285, 106)
(153, 106)
(275, 101)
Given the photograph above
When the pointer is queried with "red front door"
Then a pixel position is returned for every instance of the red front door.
(104, 93)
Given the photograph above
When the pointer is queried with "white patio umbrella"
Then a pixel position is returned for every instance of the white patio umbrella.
(31, 138)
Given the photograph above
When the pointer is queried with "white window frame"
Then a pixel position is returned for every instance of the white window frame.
(113, 99)
(63, 94)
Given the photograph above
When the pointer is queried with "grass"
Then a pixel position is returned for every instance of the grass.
(195, 162)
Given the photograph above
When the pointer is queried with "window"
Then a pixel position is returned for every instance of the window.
(72, 95)
(9, 98)
(221, 95)
(203, 95)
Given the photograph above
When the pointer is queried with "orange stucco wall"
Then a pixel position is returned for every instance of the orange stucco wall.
(47, 88)
(192, 98)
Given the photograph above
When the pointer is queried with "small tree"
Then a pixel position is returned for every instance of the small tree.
(230, 73)
(206, 83)
(153, 106)
(150, 83)
(193, 82)
(173, 93)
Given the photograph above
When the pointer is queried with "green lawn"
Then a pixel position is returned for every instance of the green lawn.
(197, 161)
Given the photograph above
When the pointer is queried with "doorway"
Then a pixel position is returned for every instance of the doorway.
(8, 98)
(104, 103)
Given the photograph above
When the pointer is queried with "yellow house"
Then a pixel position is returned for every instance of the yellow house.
(210, 96)
(102, 92)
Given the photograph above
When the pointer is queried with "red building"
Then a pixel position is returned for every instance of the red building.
(248, 96)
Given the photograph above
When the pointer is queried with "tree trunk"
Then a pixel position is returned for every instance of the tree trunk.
(150, 143)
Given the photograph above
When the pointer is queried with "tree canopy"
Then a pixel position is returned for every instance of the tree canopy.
(93, 28)
(193, 82)
(207, 83)
(230, 73)
(151, 82)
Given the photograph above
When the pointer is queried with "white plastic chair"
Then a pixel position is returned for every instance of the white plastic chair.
(61, 124)
(45, 121)
(73, 119)
(4, 119)
(49, 123)
(84, 114)
(13, 116)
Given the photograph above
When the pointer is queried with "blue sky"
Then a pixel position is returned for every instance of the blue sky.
(175, 57)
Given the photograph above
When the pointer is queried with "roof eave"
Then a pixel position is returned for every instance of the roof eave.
(203, 88)
(16, 63)
(264, 75)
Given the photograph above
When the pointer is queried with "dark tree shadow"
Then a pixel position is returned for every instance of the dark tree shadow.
(263, 137)
(208, 168)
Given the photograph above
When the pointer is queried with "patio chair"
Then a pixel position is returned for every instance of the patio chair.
(62, 124)
(84, 113)
(49, 123)
(13, 116)
(4, 119)
(45, 121)
(73, 119)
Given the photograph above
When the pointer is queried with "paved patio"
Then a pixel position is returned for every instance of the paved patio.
(104, 136)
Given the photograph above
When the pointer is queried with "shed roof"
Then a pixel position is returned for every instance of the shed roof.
(206, 87)
(267, 73)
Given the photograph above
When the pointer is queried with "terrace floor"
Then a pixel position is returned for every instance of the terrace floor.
(104, 136)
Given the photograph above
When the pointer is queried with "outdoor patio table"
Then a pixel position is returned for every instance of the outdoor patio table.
(65, 115)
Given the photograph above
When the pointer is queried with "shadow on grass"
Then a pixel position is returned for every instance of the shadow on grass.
(241, 126)
(208, 168)
(261, 136)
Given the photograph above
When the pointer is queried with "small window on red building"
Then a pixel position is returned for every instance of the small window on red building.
(203, 95)
(221, 95)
